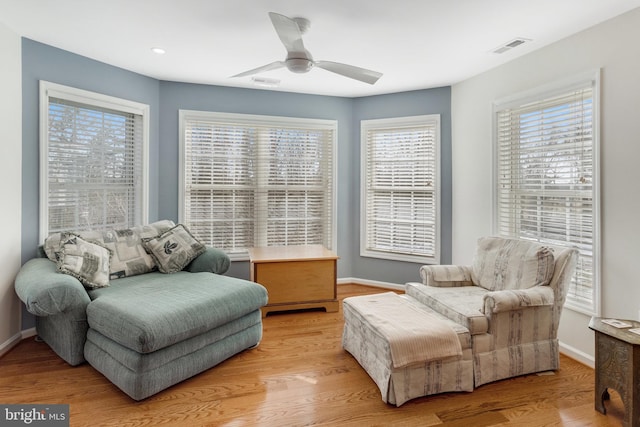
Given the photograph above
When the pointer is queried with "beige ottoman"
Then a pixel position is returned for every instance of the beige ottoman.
(371, 349)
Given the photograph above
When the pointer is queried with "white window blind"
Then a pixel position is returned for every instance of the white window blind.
(257, 180)
(547, 178)
(400, 194)
(93, 161)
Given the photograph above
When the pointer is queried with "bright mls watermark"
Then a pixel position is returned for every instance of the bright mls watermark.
(34, 415)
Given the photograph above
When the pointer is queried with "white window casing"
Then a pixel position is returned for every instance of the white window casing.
(93, 160)
(400, 189)
(546, 144)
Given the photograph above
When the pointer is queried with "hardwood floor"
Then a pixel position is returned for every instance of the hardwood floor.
(299, 375)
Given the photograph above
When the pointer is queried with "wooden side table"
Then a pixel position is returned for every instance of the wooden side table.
(296, 277)
(618, 367)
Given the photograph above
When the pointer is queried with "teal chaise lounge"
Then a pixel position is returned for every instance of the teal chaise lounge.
(147, 330)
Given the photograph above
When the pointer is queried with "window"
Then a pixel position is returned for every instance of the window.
(92, 161)
(251, 180)
(547, 176)
(401, 189)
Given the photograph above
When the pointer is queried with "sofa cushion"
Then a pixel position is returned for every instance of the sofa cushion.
(129, 258)
(86, 261)
(501, 263)
(148, 312)
(174, 249)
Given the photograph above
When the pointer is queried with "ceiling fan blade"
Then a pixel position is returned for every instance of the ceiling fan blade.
(268, 67)
(288, 31)
(357, 73)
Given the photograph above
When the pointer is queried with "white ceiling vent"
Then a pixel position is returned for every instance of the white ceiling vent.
(265, 82)
(510, 45)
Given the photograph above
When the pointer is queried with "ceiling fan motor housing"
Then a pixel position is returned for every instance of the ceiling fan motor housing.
(299, 65)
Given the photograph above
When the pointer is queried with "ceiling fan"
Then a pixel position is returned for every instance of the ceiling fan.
(299, 59)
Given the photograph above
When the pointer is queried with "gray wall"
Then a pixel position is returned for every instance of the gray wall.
(10, 178)
(165, 98)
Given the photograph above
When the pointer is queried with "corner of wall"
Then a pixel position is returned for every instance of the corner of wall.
(10, 185)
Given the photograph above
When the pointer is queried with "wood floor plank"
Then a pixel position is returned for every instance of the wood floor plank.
(299, 375)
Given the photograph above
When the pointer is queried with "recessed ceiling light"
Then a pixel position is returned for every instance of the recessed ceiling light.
(158, 50)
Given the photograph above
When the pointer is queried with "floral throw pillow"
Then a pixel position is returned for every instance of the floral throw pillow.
(86, 261)
(174, 249)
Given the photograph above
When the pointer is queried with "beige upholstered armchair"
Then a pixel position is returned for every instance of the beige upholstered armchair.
(510, 299)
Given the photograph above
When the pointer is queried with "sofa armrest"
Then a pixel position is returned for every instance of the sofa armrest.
(211, 261)
(446, 275)
(507, 300)
(47, 292)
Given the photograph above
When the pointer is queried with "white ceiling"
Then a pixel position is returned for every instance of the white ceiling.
(416, 44)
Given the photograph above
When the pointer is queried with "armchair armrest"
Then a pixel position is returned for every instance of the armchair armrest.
(507, 300)
(47, 292)
(212, 260)
(446, 275)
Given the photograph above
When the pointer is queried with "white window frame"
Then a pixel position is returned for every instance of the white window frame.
(368, 248)
(53, 90)
(259, 121)
(579, 81)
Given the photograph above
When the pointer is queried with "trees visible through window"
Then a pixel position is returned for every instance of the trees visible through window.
(93, 160)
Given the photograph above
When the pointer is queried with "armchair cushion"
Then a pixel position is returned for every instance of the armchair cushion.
(463, 304)
(507, 300)
(501, 263)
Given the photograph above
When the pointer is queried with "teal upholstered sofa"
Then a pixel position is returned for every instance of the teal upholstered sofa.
(145, 331)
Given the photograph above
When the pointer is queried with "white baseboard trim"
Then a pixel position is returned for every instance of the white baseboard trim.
(374, 283)
(578, 355)
(10, 343)
(6, 346)
(28, 333)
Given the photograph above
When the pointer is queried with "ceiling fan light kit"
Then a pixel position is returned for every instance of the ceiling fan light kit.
(299, 59)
